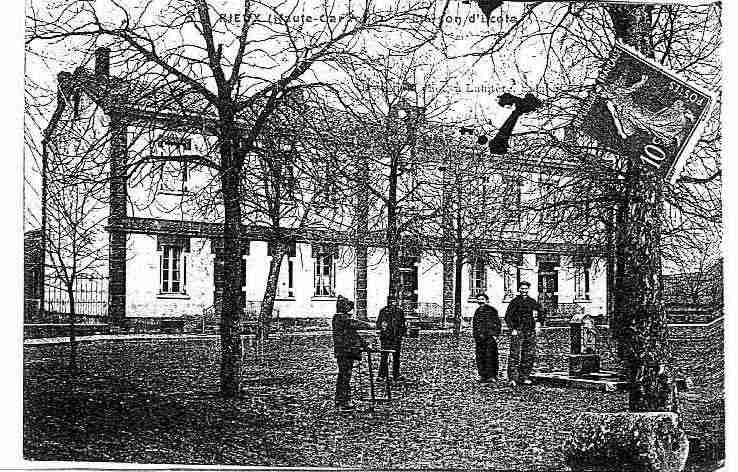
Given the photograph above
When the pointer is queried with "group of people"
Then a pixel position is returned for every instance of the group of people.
(348, 345)
(524, 317)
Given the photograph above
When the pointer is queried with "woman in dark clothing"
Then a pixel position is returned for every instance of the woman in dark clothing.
(347, 347)
(486, 326)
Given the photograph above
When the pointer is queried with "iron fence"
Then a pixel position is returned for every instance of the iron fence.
(90, 300)
(210, 318)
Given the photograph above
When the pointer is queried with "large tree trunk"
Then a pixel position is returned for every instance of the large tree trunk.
(230, 368)
(639, 317)
(267, 304)
(362, 230)
(393, 253)
(458, 269)
(447, 255)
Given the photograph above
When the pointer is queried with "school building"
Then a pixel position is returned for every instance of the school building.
(165, 252)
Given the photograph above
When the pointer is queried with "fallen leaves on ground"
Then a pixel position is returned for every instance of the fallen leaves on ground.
(157, 402)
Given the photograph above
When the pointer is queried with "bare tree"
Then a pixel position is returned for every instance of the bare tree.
(240, 74)
(295, 189)
(607, 199)
(390, 103)
(475, 203)
(73, 204)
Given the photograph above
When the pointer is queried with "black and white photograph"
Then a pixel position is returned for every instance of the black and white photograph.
(372, 235)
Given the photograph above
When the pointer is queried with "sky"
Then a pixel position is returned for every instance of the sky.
(468, 86)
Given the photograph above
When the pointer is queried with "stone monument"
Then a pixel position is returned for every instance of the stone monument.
(583, 358)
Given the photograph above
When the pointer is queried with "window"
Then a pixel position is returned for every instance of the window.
(174, 177)
(511, 275)
(549, 213)
(477, 278)
(173, 264)
(173, 270)
(286, 280)
(581, 279)
(244, 266)
(245, 251)
(513, 195)
(324, 277)
(285, 169)
(176, 149)
(548, 281)
(287, 288)
(327, 191)
(324, 270)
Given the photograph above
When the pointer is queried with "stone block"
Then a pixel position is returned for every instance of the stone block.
(582, 364)
(634, 442)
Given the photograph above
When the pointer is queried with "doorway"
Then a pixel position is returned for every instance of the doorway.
(548, 286)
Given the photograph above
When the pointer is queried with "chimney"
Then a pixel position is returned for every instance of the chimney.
(102, 63)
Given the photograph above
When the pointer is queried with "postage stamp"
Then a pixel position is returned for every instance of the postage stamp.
(645, 112)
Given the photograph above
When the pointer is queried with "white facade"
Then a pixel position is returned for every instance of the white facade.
(298, 298)
(165, 206)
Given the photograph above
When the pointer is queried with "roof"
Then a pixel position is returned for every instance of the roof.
(172, 104)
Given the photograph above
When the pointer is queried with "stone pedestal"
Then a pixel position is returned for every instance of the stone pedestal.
(647, 442)
(583, 364)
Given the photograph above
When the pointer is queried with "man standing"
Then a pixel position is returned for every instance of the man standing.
(524, 317)
(347, 347)
(391, 328)
(486, 327)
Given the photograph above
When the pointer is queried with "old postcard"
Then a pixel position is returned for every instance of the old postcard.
(375, 234)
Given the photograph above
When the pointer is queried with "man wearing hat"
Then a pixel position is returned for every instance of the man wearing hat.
(347, 347)
(391, 328)
(524, 317)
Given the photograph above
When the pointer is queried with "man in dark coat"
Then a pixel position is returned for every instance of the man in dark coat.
(524, 317)
(347, 347)
(391, 328)
(486, 327)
